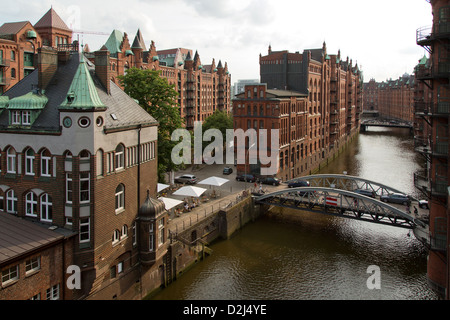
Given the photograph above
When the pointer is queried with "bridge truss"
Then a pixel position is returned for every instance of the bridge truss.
(348, 183)
(340, 203)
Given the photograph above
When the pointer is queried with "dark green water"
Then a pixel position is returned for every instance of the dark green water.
(321, 257)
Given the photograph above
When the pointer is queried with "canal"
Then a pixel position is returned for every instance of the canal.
(321, 257)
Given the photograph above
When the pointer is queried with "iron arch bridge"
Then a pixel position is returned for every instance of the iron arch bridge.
(340, 203)
(348, 183)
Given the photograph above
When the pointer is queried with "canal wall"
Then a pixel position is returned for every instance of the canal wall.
(335, 152)
(191, 245)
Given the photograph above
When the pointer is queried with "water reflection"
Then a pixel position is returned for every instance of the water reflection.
(321, 257)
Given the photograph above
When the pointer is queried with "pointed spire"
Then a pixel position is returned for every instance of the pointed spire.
(53, 20)
(82, 93)
(138, 41)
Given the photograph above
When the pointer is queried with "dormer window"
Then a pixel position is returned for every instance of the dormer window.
(24, 110)
(70, 97)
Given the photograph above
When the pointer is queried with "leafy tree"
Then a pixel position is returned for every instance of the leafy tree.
(218, 120)
(159, 99)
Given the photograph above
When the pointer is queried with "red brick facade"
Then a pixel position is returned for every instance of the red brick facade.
(393, 99)
(432, 139)
(315, 102)
(202, 89)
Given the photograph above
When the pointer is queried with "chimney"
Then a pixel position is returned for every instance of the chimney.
(47, 66)
(102, 69)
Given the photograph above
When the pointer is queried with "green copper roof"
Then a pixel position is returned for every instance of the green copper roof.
(82, 93)
(29, 101)
(4, 100)
(423, 61)
(114, 41)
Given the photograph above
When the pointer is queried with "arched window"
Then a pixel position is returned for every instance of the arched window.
(11, 201)
(120, 198)
(46, 161)
(31, 204)
(29, 162)
(124, 232)
(46, 208)
(119, 156)
(99, 158)
(116, 236)
(11, 160)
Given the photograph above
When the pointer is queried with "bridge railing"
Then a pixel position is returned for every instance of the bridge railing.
(340, 203)
(347, 182)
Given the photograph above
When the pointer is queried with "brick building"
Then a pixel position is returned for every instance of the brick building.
(370, 95)
(77, 154)
(202, 88)
(33, 260)
(393, 99)
(323, 89)
(19, 42)
(432, 139)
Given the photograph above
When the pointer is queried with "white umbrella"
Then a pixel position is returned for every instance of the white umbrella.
(170, 203)
(214, 181)
(189, 191)
(162, 186)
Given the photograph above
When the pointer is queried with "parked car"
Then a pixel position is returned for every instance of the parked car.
(227, 170)
(366, 192)
(187, 178)
(246, 177)
(423, 204)
(298, 183)
(271, 180)
(396, 198)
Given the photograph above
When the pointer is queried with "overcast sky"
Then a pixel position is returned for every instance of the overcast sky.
(379, 35)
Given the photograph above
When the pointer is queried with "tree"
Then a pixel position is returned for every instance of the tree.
(159, 99)
(218, 120)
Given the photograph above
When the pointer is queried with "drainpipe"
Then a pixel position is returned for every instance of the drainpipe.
(139, 205)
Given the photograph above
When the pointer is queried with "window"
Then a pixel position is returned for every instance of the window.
(151, 239)
(119, 157)
(53, 292)
(26, 118)
(31, 204)
(134, 235)
(46, 208)
(69, 188)
(10, 274)
(36, 297)
(84, 230)
(161, 232)
(120, 267)
(29, 162)
(15, 117)
(11, 202)
(84, 187)
(13, 72)
(124, 232)
(45, 163)
(2, 206)
(33, 264)
(116, 236)
(11, 160)
(120, 195)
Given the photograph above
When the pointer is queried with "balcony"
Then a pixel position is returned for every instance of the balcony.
(442, 70)
(426, 35)
(422, 145)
